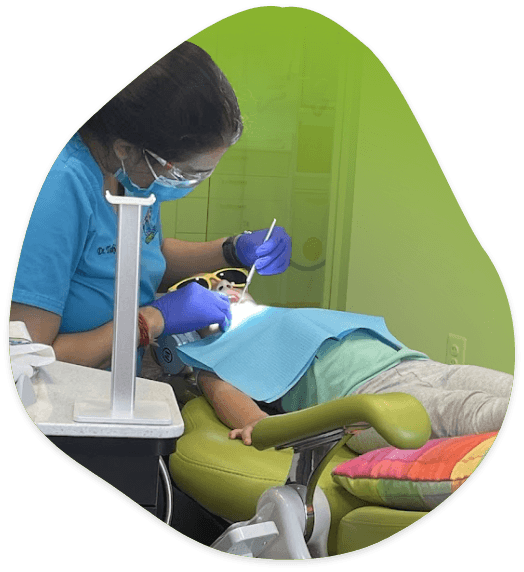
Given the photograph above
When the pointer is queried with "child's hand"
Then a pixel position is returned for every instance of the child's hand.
(245, 432)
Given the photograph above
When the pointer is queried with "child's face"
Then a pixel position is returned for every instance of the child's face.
(232, 291)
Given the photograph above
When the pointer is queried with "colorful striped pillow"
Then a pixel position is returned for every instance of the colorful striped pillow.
(414, 479)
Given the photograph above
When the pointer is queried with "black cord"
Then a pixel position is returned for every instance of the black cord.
(164, 473)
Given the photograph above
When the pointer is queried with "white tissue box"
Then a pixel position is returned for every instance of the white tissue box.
(26, 357)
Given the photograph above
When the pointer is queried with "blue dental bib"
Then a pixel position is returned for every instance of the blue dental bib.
(266, 352)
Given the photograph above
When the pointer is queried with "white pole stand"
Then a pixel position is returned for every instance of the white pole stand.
(121, 407)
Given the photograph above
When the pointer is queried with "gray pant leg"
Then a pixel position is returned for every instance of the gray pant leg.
(454, 397)
(471, 377)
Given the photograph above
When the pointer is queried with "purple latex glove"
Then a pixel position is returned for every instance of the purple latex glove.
(192, 308)
(271, 257)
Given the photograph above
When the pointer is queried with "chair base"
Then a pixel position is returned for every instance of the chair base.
(277, 530)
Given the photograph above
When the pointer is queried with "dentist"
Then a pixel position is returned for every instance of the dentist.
(163, 134)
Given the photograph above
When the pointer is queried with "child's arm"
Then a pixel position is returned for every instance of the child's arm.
(233, 407)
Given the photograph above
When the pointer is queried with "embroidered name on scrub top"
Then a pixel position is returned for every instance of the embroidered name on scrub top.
(266, 350)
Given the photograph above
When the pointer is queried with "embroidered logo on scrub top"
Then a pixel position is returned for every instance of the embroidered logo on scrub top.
(150, 230)
(109, 249)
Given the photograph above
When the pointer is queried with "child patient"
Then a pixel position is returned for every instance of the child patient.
(245, 372)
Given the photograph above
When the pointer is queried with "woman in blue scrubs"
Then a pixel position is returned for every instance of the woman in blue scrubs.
(162, 134)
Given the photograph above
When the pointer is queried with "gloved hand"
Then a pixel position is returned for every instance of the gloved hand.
(271, 257)
(192, 308)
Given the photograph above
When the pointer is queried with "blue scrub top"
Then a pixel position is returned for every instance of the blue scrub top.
(67, 264)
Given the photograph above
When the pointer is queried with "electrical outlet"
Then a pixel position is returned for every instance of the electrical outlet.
(456, 350)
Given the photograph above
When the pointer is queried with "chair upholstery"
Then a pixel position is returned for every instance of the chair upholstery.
(368, 525)
(227, 478)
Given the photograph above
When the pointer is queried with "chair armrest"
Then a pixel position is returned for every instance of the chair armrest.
(397, 417)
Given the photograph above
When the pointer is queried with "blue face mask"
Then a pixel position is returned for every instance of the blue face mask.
(161, 191)
(164, 188)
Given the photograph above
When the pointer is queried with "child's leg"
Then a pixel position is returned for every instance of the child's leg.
(452, 411)
(472, 377)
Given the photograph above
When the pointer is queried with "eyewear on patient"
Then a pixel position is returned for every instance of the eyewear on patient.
(237, 277)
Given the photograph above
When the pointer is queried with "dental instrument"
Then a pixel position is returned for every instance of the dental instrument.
(252, 269)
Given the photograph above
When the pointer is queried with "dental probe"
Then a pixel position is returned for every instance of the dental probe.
(252, 270)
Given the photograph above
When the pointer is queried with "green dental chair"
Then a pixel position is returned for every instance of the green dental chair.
(279, 493)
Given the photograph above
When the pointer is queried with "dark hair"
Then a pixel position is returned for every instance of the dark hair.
(182, 105)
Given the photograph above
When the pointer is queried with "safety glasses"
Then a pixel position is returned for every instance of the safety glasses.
(236, 276)
(176, 174)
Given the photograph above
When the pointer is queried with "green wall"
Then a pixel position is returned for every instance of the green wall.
(413, 257)
(286, 66)
(332, 150)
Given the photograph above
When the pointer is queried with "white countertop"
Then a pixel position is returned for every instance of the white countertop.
(60, 385)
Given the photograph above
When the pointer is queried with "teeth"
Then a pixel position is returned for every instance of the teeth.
(233, 295)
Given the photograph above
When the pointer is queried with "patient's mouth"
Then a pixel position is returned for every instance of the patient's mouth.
(233, 296)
